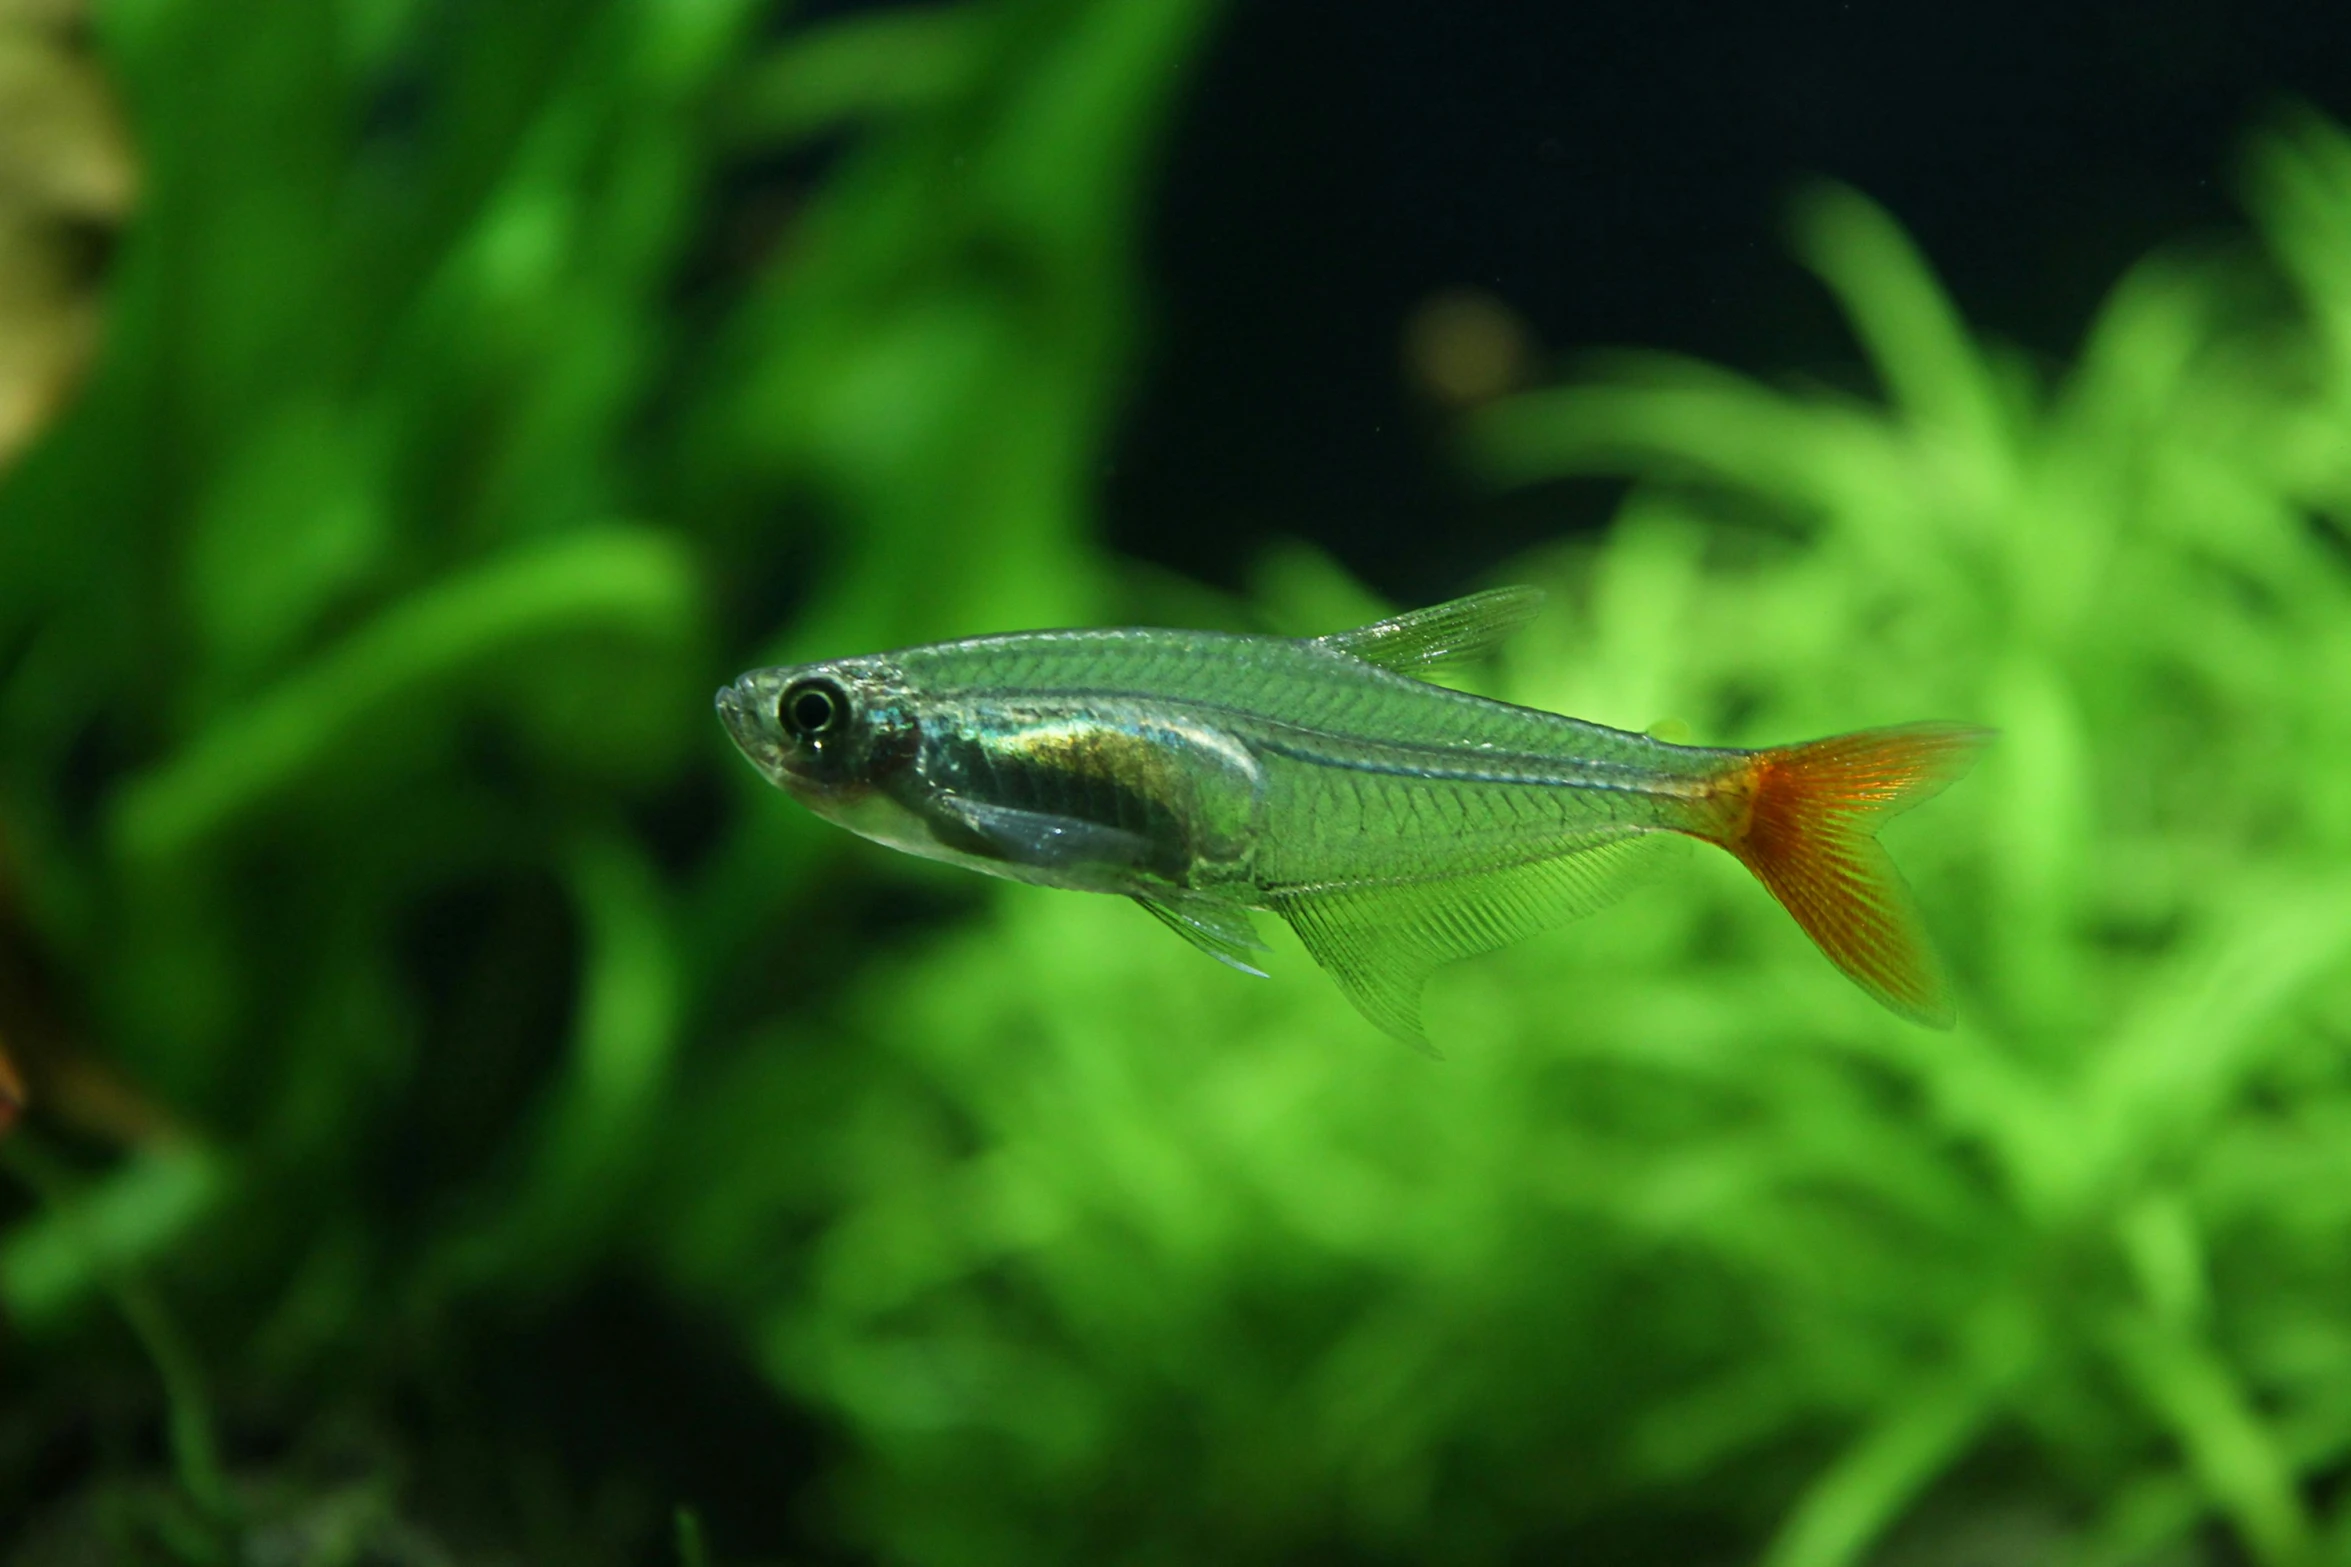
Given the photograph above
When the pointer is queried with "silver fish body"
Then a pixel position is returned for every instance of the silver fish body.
(1395, 824)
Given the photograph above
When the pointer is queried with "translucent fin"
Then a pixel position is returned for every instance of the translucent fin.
(1810, 836)
(1440, 634)
(1381, 940)
(1032, 837)
(1218, 929)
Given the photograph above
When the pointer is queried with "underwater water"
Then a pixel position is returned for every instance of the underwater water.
(472, 1118)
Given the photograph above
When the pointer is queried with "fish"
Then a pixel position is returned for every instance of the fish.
(1395, 824)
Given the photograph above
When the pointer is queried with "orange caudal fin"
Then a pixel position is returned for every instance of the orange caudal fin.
(1810, 835)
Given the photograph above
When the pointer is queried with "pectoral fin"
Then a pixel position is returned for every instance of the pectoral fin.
(1381, 940)
(1440, 634)
(1055, 843)
(1218, 929)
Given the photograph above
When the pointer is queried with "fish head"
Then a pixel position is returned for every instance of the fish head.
(827, 734)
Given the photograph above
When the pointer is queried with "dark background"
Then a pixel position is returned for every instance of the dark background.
(1617, 174)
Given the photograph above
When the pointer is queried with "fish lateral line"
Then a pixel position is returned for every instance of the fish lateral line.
(1541, 773)
(1255, 730)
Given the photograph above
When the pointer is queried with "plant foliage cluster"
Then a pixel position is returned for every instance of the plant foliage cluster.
(399, 958)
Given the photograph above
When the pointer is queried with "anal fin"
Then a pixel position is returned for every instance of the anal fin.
(1382, 939)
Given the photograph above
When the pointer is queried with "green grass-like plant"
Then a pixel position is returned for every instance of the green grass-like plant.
(1692, 1253)
(400, 957)
(461, 426)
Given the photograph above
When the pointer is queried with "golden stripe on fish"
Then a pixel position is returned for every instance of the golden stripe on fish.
(1146, 779)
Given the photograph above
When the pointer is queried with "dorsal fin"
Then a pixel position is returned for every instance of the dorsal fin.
(1440, 634)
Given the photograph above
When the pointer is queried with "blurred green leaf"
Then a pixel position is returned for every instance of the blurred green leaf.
(908, 59)
(637, 585)
(138, 1213)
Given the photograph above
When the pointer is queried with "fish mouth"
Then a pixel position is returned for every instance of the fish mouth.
(745, 709)
(734, 710)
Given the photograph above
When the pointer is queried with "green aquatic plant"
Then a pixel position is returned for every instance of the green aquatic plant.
(404, 965)
(460, 422)
(1690, 1254)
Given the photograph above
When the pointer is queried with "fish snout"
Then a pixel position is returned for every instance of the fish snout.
(738, 709)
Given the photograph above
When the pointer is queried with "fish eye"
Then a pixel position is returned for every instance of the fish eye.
(812, 707)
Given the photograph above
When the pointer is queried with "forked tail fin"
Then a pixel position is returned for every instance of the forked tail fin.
(1810, 835)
